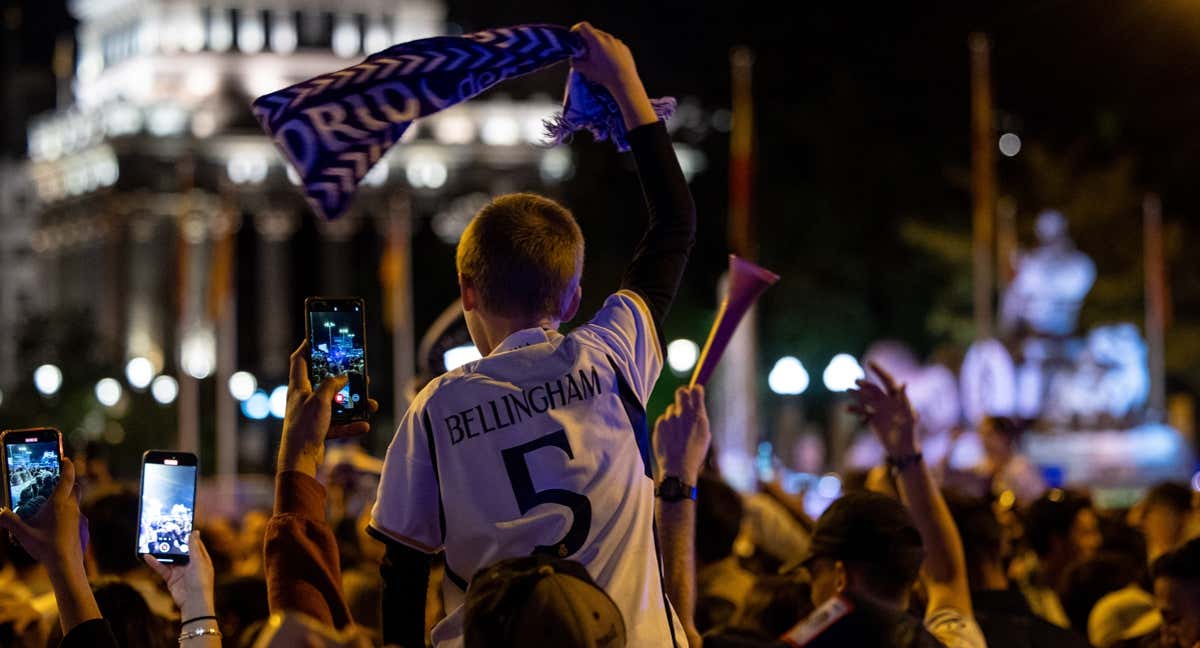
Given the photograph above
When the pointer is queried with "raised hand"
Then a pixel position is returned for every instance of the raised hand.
(191, 585)
(681, 435)
(887, 410)
(57, 535)
(609, 62)
(306, 423)
(56, 538)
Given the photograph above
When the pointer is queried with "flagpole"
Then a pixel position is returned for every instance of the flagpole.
(1156, 303)
(983, 182)
(189, 388)
(397, 281)
(735, 407)
(223, 303)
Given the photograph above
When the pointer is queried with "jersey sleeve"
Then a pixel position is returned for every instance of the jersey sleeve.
(626, 330)
(406, 506)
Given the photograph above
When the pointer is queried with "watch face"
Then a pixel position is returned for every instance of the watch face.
(670, 488)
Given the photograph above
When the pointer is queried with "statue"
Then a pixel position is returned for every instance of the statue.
(1050, 283)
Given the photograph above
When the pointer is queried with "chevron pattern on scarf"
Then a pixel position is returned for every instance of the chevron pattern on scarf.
(333, 128)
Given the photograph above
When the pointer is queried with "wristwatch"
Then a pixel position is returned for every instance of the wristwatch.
(672, 489)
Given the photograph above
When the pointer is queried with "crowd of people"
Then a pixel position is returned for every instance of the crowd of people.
(496, 522)
(31, 486)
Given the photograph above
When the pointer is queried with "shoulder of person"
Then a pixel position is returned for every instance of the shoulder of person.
(445, 385)
(624, 300)
(821, 620)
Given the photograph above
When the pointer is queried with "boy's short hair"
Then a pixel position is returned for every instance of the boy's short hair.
(521, 251)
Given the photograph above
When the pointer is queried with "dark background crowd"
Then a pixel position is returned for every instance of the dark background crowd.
(1054, 571)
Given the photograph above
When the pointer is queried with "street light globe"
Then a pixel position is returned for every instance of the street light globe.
(278, 401)
(47, 379)
(242, 385)
(788, 377)
(164, 389)
(198, 353)
(1010, 144)
(842, 372)
(258, 406)
(459, 356)
(139, 371)
(108, 392)
(682, 355)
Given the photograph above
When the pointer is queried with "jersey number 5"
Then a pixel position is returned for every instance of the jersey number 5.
(527, 498)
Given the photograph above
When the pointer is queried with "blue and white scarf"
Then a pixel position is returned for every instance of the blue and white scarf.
(333, 128)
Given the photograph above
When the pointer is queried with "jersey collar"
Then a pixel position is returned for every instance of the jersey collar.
(524, 338)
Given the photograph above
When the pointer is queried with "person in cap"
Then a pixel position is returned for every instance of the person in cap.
(865, 556)
(868, 550)
(540, 600)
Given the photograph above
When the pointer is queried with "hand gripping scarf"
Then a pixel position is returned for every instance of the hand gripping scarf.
(333, 128)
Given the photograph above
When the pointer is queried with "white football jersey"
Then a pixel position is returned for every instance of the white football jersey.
(542, 446)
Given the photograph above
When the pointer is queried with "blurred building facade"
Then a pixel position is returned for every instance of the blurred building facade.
(152, 203)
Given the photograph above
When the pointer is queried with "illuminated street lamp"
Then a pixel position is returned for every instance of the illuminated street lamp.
(48, 379)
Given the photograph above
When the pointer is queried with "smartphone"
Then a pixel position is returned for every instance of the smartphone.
(32, 465)
(337, 344)
(166, 505)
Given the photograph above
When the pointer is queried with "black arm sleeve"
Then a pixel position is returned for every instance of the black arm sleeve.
(405, 573)
(661, 256)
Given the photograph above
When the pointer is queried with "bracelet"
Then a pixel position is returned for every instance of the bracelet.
(199, 618)
(899, 464)
(199, 632)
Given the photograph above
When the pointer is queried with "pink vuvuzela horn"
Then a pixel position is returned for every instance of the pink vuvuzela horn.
(747, 282)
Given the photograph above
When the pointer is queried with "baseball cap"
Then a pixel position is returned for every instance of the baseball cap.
(540, 600)
(868, 528)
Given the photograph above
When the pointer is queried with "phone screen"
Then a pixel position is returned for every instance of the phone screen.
(337, 345)
(33, 470)
(168, 504)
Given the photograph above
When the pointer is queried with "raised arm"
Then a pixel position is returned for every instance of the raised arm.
(661, 256)
(681, 439)
(55, 537)
(405, 576)
(300, 551)
(191, 586)
(890, 415)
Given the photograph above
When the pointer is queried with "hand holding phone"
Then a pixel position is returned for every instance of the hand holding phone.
(57, 535)
(337, 346)
(191, 584)
(167, 505)
(307, 424)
